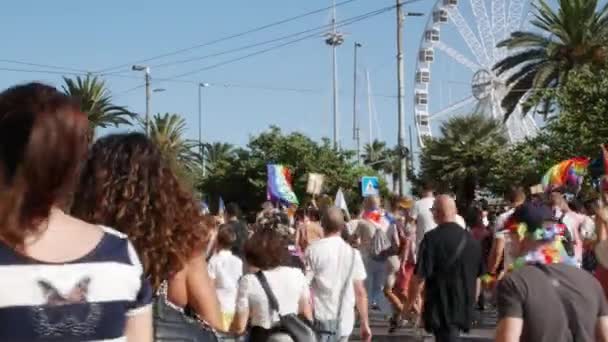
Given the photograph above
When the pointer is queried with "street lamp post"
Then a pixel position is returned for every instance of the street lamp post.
(356, 129)
(146, 70)
(400, 94)
(200, 124)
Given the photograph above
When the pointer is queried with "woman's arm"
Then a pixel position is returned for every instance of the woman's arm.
(305, 308)
(201, 293)
(139, 327)
(239, 323)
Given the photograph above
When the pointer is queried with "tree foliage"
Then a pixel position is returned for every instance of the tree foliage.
(578, 130)
(241, 177)
(96, 101)
(460, 159)
(167, 131)
(573, 35)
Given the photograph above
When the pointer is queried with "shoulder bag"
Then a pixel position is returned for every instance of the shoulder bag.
(171, 324)
(297, 328)
(329, 330)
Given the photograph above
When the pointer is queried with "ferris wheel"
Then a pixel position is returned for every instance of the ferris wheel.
(469, 45)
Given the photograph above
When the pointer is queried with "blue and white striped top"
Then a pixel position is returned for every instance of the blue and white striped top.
(88, 299)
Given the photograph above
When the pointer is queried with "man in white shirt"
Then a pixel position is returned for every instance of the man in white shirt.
(571, 219)
(423, 215)
(502, 245)
(333, 266)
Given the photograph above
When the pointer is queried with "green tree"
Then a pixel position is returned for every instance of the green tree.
(375, 155)
(168, 132)
(461, 158)
(578, 130)
(242, 178)
(96, 101)
(574, 35)
(217, 152)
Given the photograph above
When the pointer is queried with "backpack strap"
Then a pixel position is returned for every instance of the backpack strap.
(461, 244)
(272, 300)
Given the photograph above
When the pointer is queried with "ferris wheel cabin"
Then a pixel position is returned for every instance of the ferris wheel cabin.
(427, 55)
(440, 16)
(432, 35)
(422, 98)
(422, 118)
(423, 76)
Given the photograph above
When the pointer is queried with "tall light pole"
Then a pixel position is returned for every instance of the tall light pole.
(146, 70)
(402, 150)
(356, 130)
(335, 39)
(200, 124)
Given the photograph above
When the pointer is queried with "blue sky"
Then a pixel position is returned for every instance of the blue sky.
(92, 36)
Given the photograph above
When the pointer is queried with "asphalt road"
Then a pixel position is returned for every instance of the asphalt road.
(484, 332)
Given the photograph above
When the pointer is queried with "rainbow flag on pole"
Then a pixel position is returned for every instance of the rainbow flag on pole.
(568, 174)
(279, 184)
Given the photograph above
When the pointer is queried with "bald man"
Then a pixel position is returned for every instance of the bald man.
(449, 263)
(337, 276)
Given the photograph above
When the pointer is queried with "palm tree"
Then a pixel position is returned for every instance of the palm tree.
(167, 131)
(574, 35)
(375, 155)
(96, 101)
(461, 158)
(217, 152)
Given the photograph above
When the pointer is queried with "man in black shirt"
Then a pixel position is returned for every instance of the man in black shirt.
(449, 264)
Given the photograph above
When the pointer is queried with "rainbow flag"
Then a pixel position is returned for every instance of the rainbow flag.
(279, 184)
(567, 174)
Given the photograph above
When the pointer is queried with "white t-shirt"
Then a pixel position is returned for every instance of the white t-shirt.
(499, 233)
(328, 263)
(424, 217)
(226, 269)
(288, 284)
(588, 231)
(574, 221)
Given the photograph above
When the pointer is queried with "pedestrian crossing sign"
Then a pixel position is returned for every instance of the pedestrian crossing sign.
(370, 186)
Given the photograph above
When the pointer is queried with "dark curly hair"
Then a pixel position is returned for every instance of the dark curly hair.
(266, 249)
(126, 184)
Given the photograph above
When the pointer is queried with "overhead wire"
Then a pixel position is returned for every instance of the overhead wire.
(318, 28)
(290, 42)
(229, 37)
(11, 61)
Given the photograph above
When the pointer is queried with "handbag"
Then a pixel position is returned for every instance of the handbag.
(299, 329)
(171, 324)
(330, 329)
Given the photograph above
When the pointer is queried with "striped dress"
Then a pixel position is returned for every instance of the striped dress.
(88, 299)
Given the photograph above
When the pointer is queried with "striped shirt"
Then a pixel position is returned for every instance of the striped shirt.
(88, 299)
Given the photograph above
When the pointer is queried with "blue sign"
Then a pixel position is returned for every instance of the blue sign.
(370, 186)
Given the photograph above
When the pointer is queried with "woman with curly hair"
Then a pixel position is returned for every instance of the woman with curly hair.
(127, 184)
(61, 279)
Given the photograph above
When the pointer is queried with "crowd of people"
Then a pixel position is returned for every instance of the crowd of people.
(102, 242)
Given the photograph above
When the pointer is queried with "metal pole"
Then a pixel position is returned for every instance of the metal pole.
(400, 107)
(200, 127)
(335, 94)
(411, 154)
(355, 119)
(148, 95)
(335, 75)
(369, 109)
